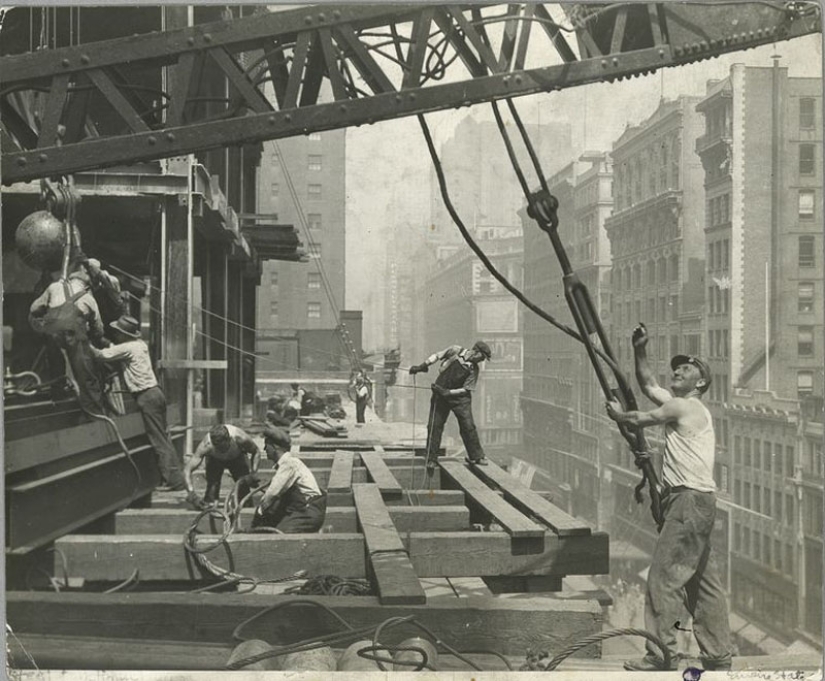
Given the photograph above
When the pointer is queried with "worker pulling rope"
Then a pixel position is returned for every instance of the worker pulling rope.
(542, 207)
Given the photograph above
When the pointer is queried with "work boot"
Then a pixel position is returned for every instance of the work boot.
(716, 664)
(650, 664)
(477, 462)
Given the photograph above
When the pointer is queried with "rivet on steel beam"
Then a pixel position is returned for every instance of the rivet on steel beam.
(695, 47)
(170, 137)
(662, 53)
(752, 35)
(518, 80)
(322, 17)
(43, 158)
(84, 59)
(190, 41)
(676, 50)
(342, 108)
(152, 140)
(288, 118)
(399, 98)
(604, 63)
(703, 45)
(336, 14)
(412, 96)
(207, 37)
(21, 162)
(65, 63)
(615, 61)
(272, 120)
(307, 20)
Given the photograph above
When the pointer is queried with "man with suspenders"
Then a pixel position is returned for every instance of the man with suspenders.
(452, 391)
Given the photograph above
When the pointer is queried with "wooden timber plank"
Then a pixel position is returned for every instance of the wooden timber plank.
(327, 460)
(412, 497)
(389, 565)
(381, 475)
(433, 554)
(82, 652)
(340, 477)
(338, 519)
(509, 626)
(513, 521)
(528, 501)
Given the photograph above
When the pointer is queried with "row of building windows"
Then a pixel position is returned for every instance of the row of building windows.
(768, 550)
(314, 191)
(313, 282)
(719, 390)
(807, 159)
(718, 344)
(751, 596)
(313, 310)
(807, 251)
(719, 297)
(652, 171)
(765, 501)
(765, 456)
(718, 211)
(667, 309)
(719, 255)
(656, 272)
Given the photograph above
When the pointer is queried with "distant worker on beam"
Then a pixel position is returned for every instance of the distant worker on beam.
(224, 448)
(452, 391)
(683, 571)
(293, 503)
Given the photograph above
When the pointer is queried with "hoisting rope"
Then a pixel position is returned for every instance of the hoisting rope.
(542, 208)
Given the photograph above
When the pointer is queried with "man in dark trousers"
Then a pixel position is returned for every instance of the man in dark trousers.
(131, 354)
(224, 448)
(293, 503)
(452, 391)
(683, 572)
(363, 390)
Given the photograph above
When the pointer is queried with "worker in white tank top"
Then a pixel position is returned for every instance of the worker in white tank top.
(683, 572)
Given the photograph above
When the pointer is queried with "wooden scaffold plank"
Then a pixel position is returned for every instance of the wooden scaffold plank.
(340, 477)
(512, 520)
(389, 564)
(531, 502)
(433, 554)
(379, 473)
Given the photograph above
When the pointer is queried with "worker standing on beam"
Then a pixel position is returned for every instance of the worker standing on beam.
(452, 391)
(363, 393)
(131, 354)
(224, 448)
(683, 572)
(293, 503)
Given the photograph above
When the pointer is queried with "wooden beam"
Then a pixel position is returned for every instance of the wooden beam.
(389, 565)
(528, 501)
(433, 554)
(338, 519)
(513, 521)
(508, 626)
(379, 473)
(340, 477)
(192, 364)
(413, 497)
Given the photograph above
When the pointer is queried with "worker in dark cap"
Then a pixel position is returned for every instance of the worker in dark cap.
(293, 503)
(452, 391)
(224, 448)
(683, 573)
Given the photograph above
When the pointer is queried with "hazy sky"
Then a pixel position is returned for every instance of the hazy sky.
(388, 165)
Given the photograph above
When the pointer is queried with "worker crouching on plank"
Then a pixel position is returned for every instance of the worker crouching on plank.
(293, 503)
(224, 448)
(131, 354)
(452, 391)
(683, 572)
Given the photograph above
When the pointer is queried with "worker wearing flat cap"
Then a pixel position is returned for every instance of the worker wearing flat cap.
(683, 572)
(452, 392)
(293, 503)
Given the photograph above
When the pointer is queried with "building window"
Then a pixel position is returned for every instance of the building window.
(314, 281)
(746, 540)
(313, 310)
(746, 501)
(314, 191)
(314, 220)
(789, 461)
(806, 297)
(737, 491)
(737, 537)
(274, 189)
(757, 498)
(807, 112)
(314, 162)
(273, 308)
(757, 545)
(807, 255)
(737, 449)
(767, 507)
(804, 383)
(315, 136)
(315, 250)
(724, 480)
(805, 341)
(747, 451)
(777, 506)
(273, 278)
(807, 159)
(806, 203)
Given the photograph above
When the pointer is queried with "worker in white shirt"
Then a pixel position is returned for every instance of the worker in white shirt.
(293, 503)
(131, 353)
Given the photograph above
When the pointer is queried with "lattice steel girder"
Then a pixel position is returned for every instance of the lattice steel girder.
(481, 53)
